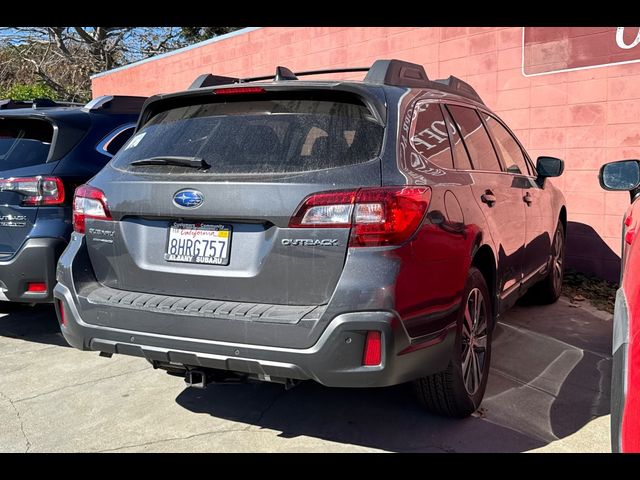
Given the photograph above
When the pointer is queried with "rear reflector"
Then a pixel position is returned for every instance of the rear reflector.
(378, 216)
(61, 310)
(88, 202)
(238, 90)
(36, 287)
(372, 349)
(35, 190)
(628, 221)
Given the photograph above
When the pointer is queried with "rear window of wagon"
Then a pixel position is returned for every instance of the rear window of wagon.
(254, 135)
(24, 142)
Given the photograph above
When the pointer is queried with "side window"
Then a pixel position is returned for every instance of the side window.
(429, 135)
(507, 146)
(115, 140)
(460, 156)
(475, 138)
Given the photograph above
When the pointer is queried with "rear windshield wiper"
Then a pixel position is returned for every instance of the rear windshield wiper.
(191, 162)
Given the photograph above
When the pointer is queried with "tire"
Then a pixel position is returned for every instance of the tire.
(548, 290)
(454, 392)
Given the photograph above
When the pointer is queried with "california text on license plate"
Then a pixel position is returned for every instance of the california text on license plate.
(198, 243)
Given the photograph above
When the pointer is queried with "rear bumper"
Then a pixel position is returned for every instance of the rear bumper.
(34, 262)
(334, 360)
(327, 348)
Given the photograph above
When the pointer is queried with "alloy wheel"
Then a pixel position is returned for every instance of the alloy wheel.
(474, 341)
(558, 260)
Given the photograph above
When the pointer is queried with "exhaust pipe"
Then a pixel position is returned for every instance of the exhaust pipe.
(196, 379)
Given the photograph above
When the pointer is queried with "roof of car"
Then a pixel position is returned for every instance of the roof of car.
(109, 104)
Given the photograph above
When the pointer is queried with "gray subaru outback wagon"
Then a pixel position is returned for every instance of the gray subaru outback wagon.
(355, 233)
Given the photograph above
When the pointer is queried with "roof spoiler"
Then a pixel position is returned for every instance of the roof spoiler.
(396, 73)
(116, 104)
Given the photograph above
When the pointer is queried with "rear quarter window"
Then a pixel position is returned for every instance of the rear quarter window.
(115, 141)
(259, 136)
(429, 135)
(24, 142)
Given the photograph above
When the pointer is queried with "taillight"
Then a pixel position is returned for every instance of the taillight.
(388, 216)
(372, 349)
(36, 191)
(88, 202)
(378, 216)
(325, 210)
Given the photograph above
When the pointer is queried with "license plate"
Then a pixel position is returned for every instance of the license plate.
(198, 243)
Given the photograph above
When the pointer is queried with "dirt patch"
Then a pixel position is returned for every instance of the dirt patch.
(579, 287)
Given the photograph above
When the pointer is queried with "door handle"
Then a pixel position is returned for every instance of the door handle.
(528, 199)
(488, 197)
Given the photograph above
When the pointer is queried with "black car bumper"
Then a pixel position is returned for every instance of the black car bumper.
(34, 262)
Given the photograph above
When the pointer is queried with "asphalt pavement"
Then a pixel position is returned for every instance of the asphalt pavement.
(548, 391)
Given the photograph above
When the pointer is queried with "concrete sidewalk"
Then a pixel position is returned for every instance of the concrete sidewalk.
(548, 391)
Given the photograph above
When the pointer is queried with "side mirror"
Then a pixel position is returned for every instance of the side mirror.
(549, 167)
(621, 175)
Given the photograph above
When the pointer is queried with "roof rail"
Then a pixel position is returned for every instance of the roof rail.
(59, 103)
(209, 80)
(8, 103)
(44, 102)
(397, 73)
(281, 75)
(383, 72)
(460, 87)
(116, 104)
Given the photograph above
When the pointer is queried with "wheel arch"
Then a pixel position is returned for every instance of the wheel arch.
(563, 218)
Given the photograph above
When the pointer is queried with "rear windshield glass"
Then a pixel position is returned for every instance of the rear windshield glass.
(24, 142)
(259, 136)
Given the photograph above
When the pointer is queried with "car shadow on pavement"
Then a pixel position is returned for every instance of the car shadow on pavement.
(588, 253)
(36, 323)
(550, 376)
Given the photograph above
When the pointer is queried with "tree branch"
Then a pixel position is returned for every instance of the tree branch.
(57, 34)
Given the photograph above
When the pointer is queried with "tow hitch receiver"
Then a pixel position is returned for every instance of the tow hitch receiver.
(202, 378)
(196, 379)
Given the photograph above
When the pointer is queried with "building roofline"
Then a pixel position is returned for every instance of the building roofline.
(179, 50)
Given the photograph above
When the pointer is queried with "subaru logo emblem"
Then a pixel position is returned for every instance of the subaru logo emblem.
(188, 198)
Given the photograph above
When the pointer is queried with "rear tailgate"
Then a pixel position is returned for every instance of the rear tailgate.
(25, 144)
(267, 153)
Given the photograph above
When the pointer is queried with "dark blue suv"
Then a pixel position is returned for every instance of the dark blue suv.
(46, 150)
